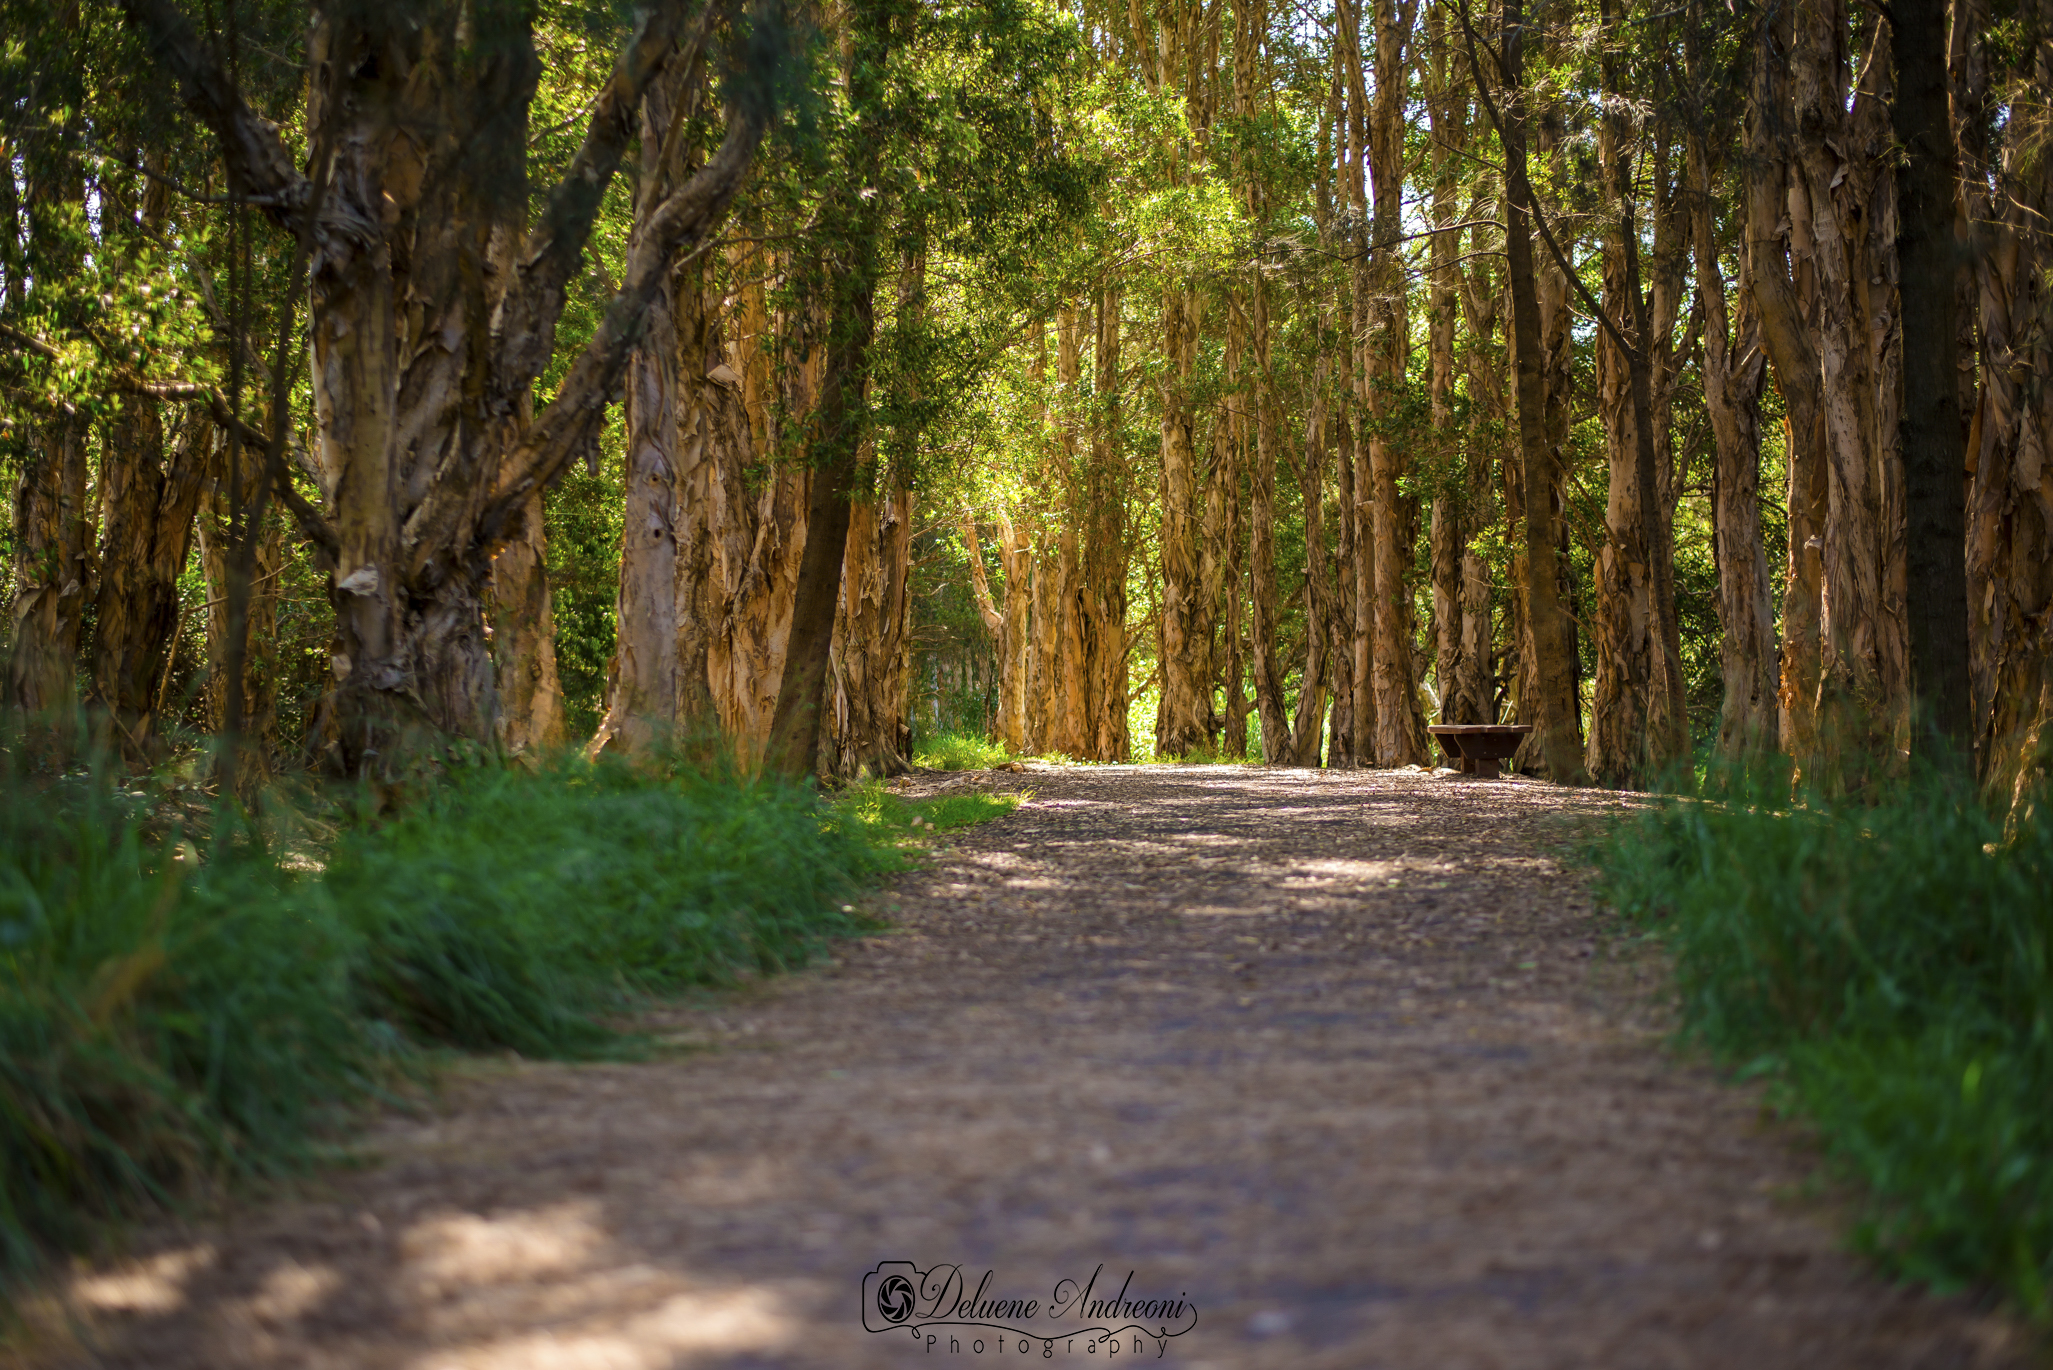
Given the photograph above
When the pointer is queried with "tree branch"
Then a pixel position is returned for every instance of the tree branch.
(683, 220)
(525, 327)
(313, 525)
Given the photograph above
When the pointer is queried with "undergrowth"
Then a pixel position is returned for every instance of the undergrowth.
(179, 1010)
(959, 752)
(1886, 966)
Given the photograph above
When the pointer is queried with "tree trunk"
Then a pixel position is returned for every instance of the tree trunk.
(53, 514)
(1183, 722)
(1625, 748)
(1102, 600)
(1936, 568)
(1489, 428)
(259, 741)
(1863, 670)
(148, 504)
(1733, 366)
(2010, 497)
(793, 749)
(1552, 694)
(1782, 280)
(1400, 723)
(434, 309)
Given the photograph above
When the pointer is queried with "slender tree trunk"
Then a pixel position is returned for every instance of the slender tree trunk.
(752, 526)
(149, 496)
(1631, 722)
(1931, 433)
(1863, 676)
(793, 749)
(1361, 370)
(1451, 519)
(1105, 551)
(53, 514)
(2010, 513)
(1489, 428)
(219, 550)
(1185, 715)
(1733, 366)
(1400, 731)
(1554, 712)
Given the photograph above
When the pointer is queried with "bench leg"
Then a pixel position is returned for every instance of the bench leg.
(1484, 769)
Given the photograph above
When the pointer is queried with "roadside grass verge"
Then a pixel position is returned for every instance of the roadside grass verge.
(959, 752)
(1886, 967)
(180, 1009)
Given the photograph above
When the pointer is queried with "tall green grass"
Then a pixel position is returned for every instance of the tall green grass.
(1887, 966)
(959, 752)
(168, 1012)
(174, 1013)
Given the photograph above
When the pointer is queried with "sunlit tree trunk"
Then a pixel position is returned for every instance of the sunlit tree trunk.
(1863, 670)
(1490, 438)
(1186, 693)
(1105, 550)
(434, 309)
(1549, 703)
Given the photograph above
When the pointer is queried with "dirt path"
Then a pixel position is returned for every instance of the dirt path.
(1336, 1058)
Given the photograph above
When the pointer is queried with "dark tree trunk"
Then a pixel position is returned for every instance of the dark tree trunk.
(1933, 457)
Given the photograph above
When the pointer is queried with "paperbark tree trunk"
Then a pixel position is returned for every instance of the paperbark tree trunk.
(1626, 747)
(870, 665)
(1450, 525)
(1183, 721)
(1309, 717)
(149, 496)
(1361, 291)
(793, 749)
(1552, 695)
(1400, 722)
(1491, 436)
(2010, 494)
(1936, 567)
(1782, 279)
(53, 515)
(1009, 627)
(259, 741)
(1733, 368)
(1863, 671)
(1102, 601)
(434, 309)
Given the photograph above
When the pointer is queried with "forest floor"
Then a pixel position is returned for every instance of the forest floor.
(1348, 1061)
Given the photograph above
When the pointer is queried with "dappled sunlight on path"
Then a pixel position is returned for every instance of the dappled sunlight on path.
(1344, 1059)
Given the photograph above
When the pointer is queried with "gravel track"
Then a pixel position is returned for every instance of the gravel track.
(1344, 1060)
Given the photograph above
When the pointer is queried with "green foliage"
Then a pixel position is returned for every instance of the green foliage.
(902, 828)
(1891, 967)
(507, 908)
(173, 1014)
(959, 752)
(166, 1014)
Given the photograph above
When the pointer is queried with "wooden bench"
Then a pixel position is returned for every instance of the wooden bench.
(1477, 747)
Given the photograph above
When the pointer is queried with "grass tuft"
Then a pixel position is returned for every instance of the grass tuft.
(175, 1012)
(959, 752)
(1887, 966)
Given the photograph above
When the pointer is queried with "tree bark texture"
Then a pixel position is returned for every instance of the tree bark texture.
(1733, 368)
(434, 308)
